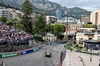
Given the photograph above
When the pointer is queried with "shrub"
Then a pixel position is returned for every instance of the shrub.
(60, 36)
(38, 37)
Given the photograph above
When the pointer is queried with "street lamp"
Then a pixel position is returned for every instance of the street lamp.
(91, 53)
(67, 26)
(99, 62)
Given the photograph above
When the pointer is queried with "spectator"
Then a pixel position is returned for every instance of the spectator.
(11, 35)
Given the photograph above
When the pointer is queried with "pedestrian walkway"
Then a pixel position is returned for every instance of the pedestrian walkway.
(80, 59)
(71, 59)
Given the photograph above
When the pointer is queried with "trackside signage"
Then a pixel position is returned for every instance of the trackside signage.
(35, 48)
(0, 55)
(9, 54)
(43, 44)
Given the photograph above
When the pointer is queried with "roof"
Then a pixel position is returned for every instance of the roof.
(49, 35)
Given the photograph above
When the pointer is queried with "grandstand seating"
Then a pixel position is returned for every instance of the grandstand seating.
(10, 35)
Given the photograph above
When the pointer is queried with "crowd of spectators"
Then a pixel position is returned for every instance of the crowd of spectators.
(10, 35)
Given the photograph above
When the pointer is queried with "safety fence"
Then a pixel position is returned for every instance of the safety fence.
(22, 52)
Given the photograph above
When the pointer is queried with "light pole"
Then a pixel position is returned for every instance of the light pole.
(99, 62)
(91, 53)
(67, 26)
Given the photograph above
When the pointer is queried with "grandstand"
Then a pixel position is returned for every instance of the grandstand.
(10, 35)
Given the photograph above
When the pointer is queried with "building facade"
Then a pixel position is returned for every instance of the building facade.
(85, 20)
(86, 34)
(95, 17)
(6, 13)
(51, 19)
(50, 37)
(58, 14)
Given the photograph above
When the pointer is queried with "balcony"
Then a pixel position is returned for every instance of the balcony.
(87, 32)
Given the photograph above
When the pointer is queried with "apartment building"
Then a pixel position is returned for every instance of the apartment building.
(6, 13)
(51, 19)
(85, 20)
(86, 34)
(95, 17)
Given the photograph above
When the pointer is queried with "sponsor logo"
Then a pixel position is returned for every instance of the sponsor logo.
(9, 54)
(24, 52)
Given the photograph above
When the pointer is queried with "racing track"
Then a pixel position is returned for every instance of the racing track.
(37, 58)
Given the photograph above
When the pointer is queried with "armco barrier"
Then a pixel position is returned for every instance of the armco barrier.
(22, 51)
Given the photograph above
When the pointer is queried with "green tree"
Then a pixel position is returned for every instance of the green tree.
(40, 25)
(58, 28)
(60, 36)
(38, 37)
(21, 26)
(48, 28)
(19, 15)
(11, 21)
(26, 18)
(3, 19)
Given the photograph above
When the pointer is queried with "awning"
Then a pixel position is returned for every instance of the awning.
(92, 41)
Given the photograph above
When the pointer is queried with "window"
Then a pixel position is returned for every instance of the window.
(98, 38)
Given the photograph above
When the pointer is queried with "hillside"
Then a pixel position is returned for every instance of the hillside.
(7, 6)
(49, 7)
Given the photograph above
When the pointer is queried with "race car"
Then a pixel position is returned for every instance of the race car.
(47, 54)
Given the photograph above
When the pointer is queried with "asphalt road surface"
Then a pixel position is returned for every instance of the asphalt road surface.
(37, 58)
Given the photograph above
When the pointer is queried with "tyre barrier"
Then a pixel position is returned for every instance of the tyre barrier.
(22, 52)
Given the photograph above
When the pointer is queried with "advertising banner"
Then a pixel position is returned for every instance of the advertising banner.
(48, 43)
(28, 51)
(0, 55)
(54, 43)
(35, 49)
(43, 45)
(9, 54)
(23, 52)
